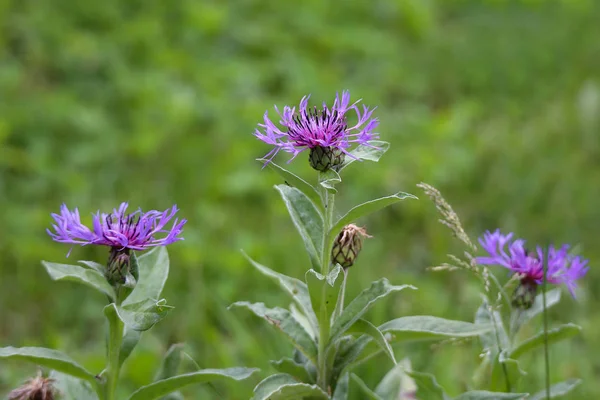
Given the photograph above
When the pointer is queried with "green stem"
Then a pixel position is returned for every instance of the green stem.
(324, 323)
(546, 355)
(115, 339)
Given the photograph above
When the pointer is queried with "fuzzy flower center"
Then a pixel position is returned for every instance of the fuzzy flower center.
(314, 125)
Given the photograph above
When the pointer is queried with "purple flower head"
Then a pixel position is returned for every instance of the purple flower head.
(561, 267)
(313, 128)
(118, 230)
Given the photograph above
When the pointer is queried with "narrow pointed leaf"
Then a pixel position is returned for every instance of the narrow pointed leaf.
(131, 338)
(427, 386)
(168, 385)
(284, 321)
(307, 219)
(367, 208)
(291, 367)
(554, 335)
(349, 352)
(332, 283)
(363, 152)
(342, 388)
(48, 358)
(489, 339)
(153, 272)
(75, 273)
(361, 304)
(485, 395)
(500, 369)
(170, 364)
(426, 327)
(285, 387)
(557, 390)
(70, 387)
(363, 326)
(294, 287)
(295, 181)
(552, 298)
(365, 389)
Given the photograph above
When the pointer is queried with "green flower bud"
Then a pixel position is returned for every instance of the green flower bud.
(524, 295)
(347, 245)
(117, 268)
(324, 158)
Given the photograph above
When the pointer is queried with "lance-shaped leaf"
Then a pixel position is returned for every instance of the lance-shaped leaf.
(506, 373)
(349, 351)
(367, 208)
(291, 367)
(427, 386)
(557, 390)
(294, 287)
(75, 273)
(342, 388)
(485, 395)
(363, 152)
(363, 326)
(316, 281)
(48, 358)
(284, 321)
(70, 387)
(168, 385)
(554, 335)
(365, 389)
(426, 327)
(153, 272)
(361, 304)
(143, 315)
(295, 181)
(523, 316)
(131, 338)
(307, 219)
(170, 367)
(329, 179)
(489, 339)
(285, 387)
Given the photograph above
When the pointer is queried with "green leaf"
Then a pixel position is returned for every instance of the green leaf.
(348, 352)
(396, 384)
(427, 386)
(131, 337)
(170, 363)
(367, 208)
(364, 388)
(505, 366)
(329, 179)
(70, 387)
(94, 265)
(342, 388)
(524, 316)
(316, 281)
(361, 304)
(291, 367)
(363, 152)
(295, 287)
(363, 326)
(426, 327)
(143, 315)
(295, 181)
(557, 390)
(307, 219)
(285, 322)
(75, 273)
(485, 395)
(153, 272)
(168, 385)
(554, 335)
(48, 358)
(489, 339)
(285, 387)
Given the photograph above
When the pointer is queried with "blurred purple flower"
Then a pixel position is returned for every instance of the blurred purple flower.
(310, 128)
(561, 267)
(118, 230)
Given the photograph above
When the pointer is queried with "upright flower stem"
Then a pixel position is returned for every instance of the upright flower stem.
(115, 339)
(324, 323)
(499, 344)
(545, 312)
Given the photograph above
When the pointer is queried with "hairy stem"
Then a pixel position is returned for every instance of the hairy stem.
(115, 339)
(546, 355)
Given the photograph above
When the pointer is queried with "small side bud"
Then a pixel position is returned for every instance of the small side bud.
(38, 388)
(324, 158)
(524, 295)
(347, 245)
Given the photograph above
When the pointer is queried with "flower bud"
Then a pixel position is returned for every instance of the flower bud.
(524, 295)
(347, 245)
(324, 158)
(38, 388)
(117, 268)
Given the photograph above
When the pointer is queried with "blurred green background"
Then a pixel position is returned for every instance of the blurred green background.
(496, 103)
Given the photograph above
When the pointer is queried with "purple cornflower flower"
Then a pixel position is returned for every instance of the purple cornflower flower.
(561, 267)
(324, 131)
(120, 231)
